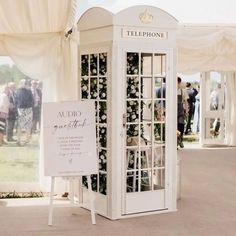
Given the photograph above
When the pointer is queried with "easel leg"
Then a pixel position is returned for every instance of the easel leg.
(51, 201)
(91, 200)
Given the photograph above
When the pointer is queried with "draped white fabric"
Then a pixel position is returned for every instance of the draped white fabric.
(32, 33)
(231, 88)
(34, 16)
(202, 48)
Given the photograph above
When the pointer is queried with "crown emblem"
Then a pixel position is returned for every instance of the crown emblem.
(146, 17)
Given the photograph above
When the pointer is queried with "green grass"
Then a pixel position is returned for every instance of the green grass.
(19, 164)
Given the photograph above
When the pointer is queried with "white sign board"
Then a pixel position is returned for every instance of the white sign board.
(69, 138)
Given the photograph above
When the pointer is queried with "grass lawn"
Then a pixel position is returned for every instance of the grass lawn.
(19, 164)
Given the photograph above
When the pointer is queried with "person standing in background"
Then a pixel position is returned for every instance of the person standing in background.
(12, 115)
(196, 117)
(39, 88)
(191, 103)
(25, 104)
(182, 110)
(37, 96)
(4, 109)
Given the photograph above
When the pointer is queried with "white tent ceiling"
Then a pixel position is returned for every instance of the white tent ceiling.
(185, 11)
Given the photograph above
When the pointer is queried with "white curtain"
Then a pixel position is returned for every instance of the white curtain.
(231, 94)
(202, 48)
(32, 33)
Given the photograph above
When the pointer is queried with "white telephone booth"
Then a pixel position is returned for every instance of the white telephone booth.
(124, 60)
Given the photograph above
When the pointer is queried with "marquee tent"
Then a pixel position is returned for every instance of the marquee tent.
(34, 33)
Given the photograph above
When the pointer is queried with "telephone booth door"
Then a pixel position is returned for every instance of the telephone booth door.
(145, 183)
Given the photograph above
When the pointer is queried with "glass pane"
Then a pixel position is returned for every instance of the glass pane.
(158, 179)
(103, 88)
(85, 88)
(132, 63)
(159, 111)
(146, 63)
(159, 156)
(146, 130)
(131, 157)
(132, 181)
(103, 183)
(132, 131)
(146, 111)
(102, 136)
(102, 63)
(84, 65)
(93, 88)
(215, 91)
(159, 65)
(139, 160)
(102, 160)
(94, 180)
(159, 132)
(146, 180)
(102, 112)
(146, 87)
(96, 111)
(160, 103)
(213, 128)
(160, 87)
(132, 87)
(93, 64)
(132, 111)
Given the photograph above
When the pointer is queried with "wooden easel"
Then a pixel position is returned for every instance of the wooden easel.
(72, 203)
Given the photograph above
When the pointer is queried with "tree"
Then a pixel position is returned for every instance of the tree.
(10, 74)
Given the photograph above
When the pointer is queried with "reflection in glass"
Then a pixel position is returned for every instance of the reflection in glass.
(84, 65)
(102, 112)
(132, 90)
(132, 108)
(131, 131)
(132, 63)
(103, 184)
(146, 63)
(102, 160)
(147, 133)
(102, 63)
(146, 180)
(159, 156)
(93, 88)
(159, 64)
(147, 110)
(102, 88)
(85, 88)
(158, 179)
(132, 181)
(147, 87)
(159, 133)
(212, 128)
(102, 136)
(93, 64)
